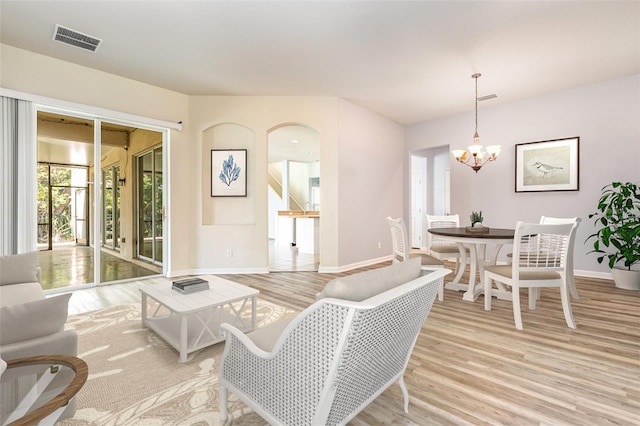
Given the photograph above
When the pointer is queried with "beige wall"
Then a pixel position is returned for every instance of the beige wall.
(40, 75)
(360, 158)
(241, 224)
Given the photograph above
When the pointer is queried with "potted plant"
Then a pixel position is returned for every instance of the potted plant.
(476, 219)
(618, 236)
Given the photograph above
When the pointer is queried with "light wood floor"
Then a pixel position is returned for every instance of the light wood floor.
(69, 265)
(470, 366)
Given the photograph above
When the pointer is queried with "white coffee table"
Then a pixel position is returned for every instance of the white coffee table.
(193, 321)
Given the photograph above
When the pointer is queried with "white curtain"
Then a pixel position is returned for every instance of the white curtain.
(18, 174)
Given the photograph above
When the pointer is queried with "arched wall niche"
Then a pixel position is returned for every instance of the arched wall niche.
(228, 210)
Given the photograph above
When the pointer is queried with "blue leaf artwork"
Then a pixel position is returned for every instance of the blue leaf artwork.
(230, 171)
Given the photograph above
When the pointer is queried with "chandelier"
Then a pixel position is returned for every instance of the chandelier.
(476, 156)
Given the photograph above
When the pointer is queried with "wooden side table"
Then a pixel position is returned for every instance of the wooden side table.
(45, 401)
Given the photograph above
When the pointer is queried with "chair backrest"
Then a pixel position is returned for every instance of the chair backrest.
(381, 330)
(399, 239)
(549, 219)
(433, 221)
(576, 220)
(335, 357)
(542, 247)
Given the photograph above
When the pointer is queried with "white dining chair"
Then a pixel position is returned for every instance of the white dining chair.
(402, 251)
(439, 248)
(540, 259)
(570, 275)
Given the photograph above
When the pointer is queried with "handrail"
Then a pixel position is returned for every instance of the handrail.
(291, 197)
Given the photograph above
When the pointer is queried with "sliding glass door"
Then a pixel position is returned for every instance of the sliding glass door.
(90, 200)
(149, 206)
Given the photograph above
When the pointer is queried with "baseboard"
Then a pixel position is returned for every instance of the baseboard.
(222, 271)
(339, 269)
(593, 274)
(344, 268)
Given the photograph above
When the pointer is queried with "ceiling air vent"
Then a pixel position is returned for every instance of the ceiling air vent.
(75, 38)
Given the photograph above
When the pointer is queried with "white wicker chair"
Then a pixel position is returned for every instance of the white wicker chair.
(333, 359)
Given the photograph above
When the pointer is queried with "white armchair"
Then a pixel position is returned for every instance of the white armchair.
(338, 355)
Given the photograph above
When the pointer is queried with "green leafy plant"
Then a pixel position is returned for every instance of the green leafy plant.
(476, 217)
(618, 219)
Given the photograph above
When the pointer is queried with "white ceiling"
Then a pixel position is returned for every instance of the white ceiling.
(408, 61)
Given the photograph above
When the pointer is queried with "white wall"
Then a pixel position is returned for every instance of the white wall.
(605, 116)
(371, 167)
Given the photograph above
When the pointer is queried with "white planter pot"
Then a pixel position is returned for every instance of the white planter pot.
(625, 279)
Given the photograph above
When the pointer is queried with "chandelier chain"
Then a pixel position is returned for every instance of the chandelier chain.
(477, 75)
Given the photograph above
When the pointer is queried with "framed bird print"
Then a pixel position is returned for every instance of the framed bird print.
(548, 165)
(228, 172)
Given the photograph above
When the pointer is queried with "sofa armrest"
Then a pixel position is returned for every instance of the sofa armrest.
(234, 336)
(62, 343)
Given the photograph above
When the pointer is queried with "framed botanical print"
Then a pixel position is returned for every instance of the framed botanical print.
(552, 165)
(228, 172)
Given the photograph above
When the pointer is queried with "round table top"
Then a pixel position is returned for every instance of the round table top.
(463, 232)
(79, 368)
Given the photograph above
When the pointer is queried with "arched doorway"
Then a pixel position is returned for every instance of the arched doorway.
(293, 192)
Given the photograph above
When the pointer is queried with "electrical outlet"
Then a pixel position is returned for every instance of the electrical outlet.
(229, 253)
(379, 245)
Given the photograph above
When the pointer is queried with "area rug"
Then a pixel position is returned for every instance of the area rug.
(135, 377)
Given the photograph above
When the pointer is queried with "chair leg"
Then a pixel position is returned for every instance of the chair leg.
(223, 396)
(487, 293)
(405, 394)
(572, 286)
(534, 295)
(517, 316)
(566, 306)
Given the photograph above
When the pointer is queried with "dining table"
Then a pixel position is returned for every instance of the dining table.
(483, 246)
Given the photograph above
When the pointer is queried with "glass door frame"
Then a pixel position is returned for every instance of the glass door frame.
(115, 206)
(157, 212)
(74, 207)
